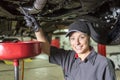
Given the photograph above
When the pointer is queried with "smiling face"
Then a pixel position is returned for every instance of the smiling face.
(80, 42)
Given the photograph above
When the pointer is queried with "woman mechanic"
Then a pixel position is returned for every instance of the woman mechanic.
(80, 63)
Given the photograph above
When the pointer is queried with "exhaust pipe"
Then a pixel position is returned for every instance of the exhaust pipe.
(37, 6)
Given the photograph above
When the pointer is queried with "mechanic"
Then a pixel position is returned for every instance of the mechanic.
(80, 63)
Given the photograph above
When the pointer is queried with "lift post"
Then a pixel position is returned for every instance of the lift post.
(102, 49)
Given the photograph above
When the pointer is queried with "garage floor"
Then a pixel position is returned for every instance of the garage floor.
(37, 69)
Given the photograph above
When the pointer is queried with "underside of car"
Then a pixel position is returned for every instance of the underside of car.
(57, 14)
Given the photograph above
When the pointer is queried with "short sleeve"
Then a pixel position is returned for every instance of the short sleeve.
(110, 72)
(58, 55)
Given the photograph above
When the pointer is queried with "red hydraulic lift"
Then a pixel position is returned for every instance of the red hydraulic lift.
(102, 49)
(56, 42)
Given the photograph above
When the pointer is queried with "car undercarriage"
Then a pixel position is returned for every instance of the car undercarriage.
(57, 14)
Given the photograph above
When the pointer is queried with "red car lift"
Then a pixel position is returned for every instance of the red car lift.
(102, 49)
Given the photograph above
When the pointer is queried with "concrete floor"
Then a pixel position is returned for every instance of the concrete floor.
(37, 69)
